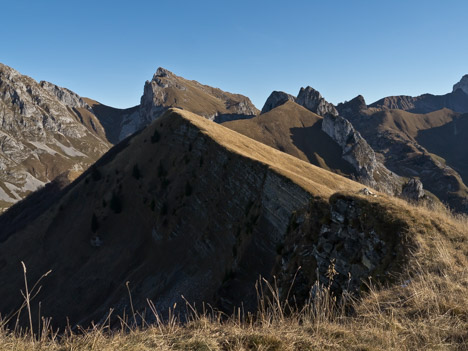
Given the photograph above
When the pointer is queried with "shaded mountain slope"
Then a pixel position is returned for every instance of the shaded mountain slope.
(117, 123)
(45, 130)
(297, 131)
(449, 141)
(330, 142)
(429, 146)
(456, 101)
(200, 210)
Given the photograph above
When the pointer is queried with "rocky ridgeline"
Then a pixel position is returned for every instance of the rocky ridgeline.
(44, 130)
(312, 100)
(456, 101)
(462, 84)
(167, 90)
(308, 97)
(361, 156)
(65, 96)
(355, 149)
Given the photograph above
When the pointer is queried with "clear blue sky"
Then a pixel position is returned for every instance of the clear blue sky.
(106, 50)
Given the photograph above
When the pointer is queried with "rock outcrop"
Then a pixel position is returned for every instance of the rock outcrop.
(413, 190)
(352, 108)
(64, 95)
(358, 153)
(45, 130)
(342, 244)
(312, 100)
(430, 147)
(276, 98)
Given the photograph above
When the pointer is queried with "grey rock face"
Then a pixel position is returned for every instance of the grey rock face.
(41, 135)
(353, 107)
(276, 98)
(360, 155)
(462, 84)
(344, 251)
(413, 190)
(312, 100)
(64, 95)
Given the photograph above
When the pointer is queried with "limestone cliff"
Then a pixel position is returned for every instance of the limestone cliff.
(45, 130)
(312, 100)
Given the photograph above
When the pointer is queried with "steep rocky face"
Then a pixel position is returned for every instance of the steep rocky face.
(342, 244)
(45, 130)
(276, 98)
(355, 150)
(358, 153)
(312, 100)
(462, 84)
(168, 90)
(65, 96)
(428, 146)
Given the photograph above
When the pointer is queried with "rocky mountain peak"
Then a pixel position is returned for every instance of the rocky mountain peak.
(312, 100)
(162, 72)
(353, 107)
(462, 84)
(276, 98)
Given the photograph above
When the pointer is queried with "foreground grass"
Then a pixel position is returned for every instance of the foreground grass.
(426, 310)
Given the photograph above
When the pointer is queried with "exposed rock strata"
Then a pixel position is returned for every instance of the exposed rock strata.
(45, 130)
(359, 154)
(342, 244)
(312, 100)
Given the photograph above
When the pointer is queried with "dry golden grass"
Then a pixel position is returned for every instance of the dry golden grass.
(297, 131)
(312, 178)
